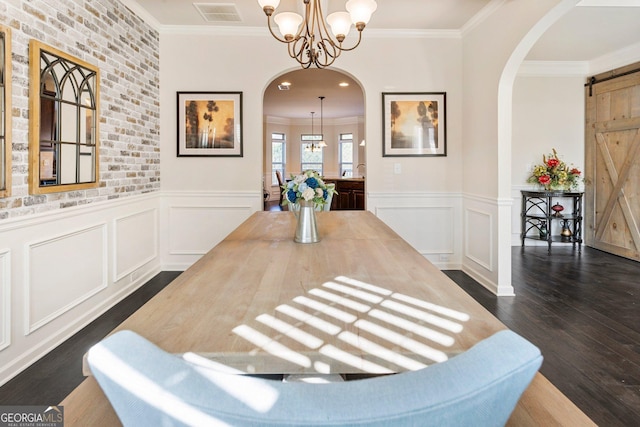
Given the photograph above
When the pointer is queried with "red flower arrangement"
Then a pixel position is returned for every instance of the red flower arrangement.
(554, 174)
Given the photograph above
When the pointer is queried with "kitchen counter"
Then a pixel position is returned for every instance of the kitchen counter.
(350, 193)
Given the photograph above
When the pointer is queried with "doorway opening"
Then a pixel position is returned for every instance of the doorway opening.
(300, 105)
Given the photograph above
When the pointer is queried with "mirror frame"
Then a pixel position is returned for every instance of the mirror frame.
(5, 167)
(36, 49)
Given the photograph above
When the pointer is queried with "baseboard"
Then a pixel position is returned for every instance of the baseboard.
(501, 291)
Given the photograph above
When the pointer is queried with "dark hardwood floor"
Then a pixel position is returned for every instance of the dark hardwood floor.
(582, 310)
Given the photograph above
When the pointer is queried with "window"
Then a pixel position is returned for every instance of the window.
(63, 132)
(278, 156)
(311, 154)
(5, 111)
(346, 154)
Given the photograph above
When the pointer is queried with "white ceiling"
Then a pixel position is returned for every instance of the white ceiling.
(582, 35)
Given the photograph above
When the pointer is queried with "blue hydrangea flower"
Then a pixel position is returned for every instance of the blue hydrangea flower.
(291, 196)
(290, 184)
(303, 186)
(325, 194)
(312, 182)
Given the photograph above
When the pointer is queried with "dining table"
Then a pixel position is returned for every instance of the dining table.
(361, 301)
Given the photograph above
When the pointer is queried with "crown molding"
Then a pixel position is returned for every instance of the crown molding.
(142, 13)
(609, 3)
(264, 32)
(305, 121)
(273, 120)
(415, 34)
(553, 68)
(214, 30)
(479, 17)
(619, 58)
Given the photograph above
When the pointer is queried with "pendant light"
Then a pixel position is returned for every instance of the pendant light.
(311, 147)
(321, 144)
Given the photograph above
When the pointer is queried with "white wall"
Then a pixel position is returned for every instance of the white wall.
(410, 65)
(548, 113)
(492, 52)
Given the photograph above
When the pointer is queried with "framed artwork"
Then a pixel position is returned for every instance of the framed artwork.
(210, 124)
(414, 124)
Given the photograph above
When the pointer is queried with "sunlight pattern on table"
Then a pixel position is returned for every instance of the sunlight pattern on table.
(381, 331)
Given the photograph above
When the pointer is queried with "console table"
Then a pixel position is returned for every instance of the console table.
(538, 214)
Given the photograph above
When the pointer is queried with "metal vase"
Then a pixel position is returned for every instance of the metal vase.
(307, 227)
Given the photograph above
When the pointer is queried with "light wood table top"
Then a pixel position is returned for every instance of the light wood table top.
(360, 300)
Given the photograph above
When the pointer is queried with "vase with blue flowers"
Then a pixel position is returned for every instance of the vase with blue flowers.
(306, 191)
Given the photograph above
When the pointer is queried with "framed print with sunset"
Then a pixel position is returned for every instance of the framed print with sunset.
(414, 124)
(210, 124)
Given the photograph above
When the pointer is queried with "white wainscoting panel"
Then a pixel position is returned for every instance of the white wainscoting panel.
(194, 230)
(430, 230)
(62, 266)
(193, 222)
(480, 248)
(5, 301)
(136, 241)
(430, 222)
(62, 272)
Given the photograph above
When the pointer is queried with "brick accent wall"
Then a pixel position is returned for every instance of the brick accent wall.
(126, 50)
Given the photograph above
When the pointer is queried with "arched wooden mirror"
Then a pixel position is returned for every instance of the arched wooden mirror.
(5, 111)
(63, 99)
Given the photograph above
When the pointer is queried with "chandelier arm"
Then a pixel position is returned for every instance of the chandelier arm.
(314, 18)
(299, 54)
(330, 56)
(334, 50)
(303, 32)
(346, 49)
(275, 36)
(325, 34)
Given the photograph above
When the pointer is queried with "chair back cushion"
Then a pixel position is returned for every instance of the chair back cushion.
(148, 386)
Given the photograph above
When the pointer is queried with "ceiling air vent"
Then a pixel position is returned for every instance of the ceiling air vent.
(218, 12)
(284, 87)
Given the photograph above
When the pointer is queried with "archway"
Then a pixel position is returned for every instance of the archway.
(557, 136)
(288, 101)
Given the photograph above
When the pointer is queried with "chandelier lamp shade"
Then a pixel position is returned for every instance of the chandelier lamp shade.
(311, 43)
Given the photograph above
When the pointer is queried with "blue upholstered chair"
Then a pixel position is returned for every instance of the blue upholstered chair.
(149, 387)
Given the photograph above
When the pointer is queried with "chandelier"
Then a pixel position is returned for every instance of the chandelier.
(311, 43)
